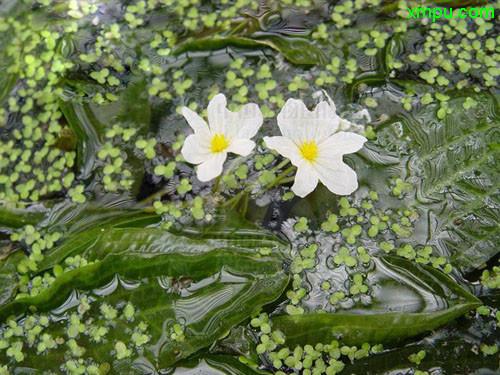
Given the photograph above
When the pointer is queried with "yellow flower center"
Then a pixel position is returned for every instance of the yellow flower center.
(218, 143)
(309, 150)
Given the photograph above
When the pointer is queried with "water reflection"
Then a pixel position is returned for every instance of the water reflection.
(392, 286)
(396, 289)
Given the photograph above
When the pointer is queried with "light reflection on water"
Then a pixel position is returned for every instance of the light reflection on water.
(399, 291)
(391, 287)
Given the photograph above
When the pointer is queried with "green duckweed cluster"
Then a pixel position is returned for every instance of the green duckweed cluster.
(36, 243)
(491, 278)
(340, 255)
(167, 84)
(38, 160)
(459, 47)
(115, 174)
(72, 336)
(308, 359)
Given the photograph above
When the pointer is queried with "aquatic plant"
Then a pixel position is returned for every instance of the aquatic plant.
(292, 187)
(226, 132)
(309, 142)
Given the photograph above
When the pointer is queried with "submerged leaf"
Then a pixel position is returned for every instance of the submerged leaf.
(87, 128)
(427, 299)
(453, 166)
(206, 286)
(9, 276)
(16, 218)
(296, 50)
(211, 364)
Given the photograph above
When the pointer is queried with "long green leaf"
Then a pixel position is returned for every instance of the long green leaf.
(220, 364)
(16, 218)
(454, 168)
(296, 50)
(441, 300)
(9, 276)
(231, 281)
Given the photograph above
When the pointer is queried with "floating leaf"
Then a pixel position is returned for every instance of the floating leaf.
(453, 164)
(9, 276)
(206, 285)
(409, 299)
(296, 50)
(16, 218)
(219, 364)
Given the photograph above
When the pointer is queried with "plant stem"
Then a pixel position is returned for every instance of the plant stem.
(280, 177)
(234, 164)
(156, 195)
(215, 188)
(287, 180)
(234, 200)
(280, 165)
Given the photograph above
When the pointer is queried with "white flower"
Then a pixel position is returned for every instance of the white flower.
(310, 141)
(226, 132)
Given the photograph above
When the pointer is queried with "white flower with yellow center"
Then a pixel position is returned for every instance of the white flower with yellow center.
(311, 142)
(226, 132)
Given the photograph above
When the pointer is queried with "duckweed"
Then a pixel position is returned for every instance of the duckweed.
(89, 117)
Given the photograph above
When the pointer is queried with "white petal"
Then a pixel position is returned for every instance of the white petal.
(242, 124)
(196, 149)
(241, 147)
(328, 120)
(338, 177)
(285, 147)
(291, 119)
(217, 114)
(306, 180)
(195, 121)
(211, 168)
(341, 143)
(299, 124)
(248, 120)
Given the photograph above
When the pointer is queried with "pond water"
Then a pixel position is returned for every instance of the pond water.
(345, 222)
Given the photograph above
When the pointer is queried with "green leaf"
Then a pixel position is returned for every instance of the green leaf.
(453, 350)
(428, 300)
(85, 224)
(296, 50)
(210, 364)
(74, 218)
(454, 168)
(87, 128)
(11, 218)
(231, 226)
(9, 276)
(230, 281)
